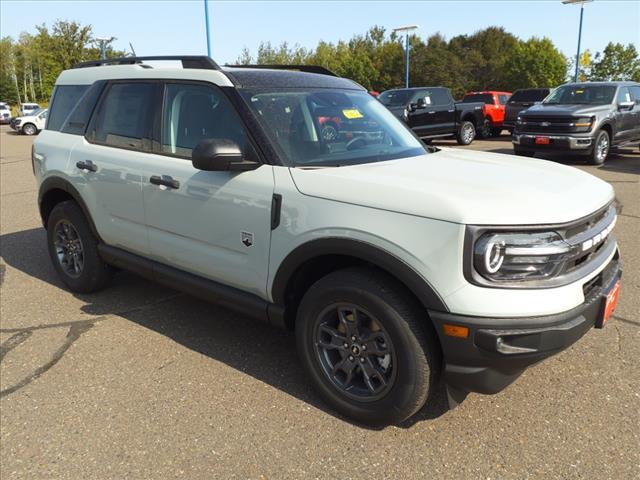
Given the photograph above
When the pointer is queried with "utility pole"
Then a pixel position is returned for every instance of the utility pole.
(406, 29)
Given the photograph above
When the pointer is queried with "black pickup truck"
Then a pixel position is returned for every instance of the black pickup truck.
(431, 112)
(581, 118)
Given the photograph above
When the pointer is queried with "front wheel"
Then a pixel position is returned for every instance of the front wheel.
(364, 344)
(29, 129)
(466, 133)
(600, 148)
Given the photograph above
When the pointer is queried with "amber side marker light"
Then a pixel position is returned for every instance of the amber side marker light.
(456, 331)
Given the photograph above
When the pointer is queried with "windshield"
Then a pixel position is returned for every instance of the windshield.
(478, 97)
(38, 111)
(533, 95)
(395, 98)
(326, 127)
(581, 94)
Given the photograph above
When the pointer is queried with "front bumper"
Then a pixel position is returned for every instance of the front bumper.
(556, 142)
(498, 350)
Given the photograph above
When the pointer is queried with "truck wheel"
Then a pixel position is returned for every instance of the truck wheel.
(600, 148)
(523, 153)
(364, 343)
(485, 130)
(29, 129)
(73, 249)
(466, 133)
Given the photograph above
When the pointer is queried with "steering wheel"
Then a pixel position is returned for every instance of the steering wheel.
(354, 143)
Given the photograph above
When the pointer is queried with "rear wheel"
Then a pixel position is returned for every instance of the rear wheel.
(73, 249)
(601, 148)
(466, 133)
(363, 342)
(485, 130)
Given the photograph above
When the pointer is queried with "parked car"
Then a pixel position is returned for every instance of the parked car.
(521, 100)
(5, 113)
(26, 109)
(30, 124)
(393, 263)
(581, 118)
(431, 113)
(493, 110)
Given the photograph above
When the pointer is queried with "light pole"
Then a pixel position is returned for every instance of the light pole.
(406, 29)
(581, 3)
(103, 41)
(206, 21)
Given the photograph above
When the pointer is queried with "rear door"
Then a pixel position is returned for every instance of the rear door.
(107, 164)
(625, 118)
(215, 224)
(445, 111)
(635, 93)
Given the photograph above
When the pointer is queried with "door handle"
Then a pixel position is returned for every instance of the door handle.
(451, 111)
(165, 181)
(87, 166)
(432, 111)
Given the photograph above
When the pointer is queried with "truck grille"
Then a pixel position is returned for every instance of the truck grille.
(547, 125)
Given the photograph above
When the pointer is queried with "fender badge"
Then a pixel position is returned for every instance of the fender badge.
(246, 238)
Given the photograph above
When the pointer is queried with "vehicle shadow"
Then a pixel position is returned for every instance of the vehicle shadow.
(263, 352)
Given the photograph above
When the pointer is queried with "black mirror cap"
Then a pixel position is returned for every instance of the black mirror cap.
(220, 154)
(626, 105)
(422, 103)
(412, 107)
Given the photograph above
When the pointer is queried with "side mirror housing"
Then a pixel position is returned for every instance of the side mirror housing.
(412, 107)
(625, 105)
(422, 103)
(220, 154)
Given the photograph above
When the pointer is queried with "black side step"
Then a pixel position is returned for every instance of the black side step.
(223, 295)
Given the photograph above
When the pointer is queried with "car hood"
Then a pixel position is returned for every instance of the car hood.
(463, 186)
(542, 109)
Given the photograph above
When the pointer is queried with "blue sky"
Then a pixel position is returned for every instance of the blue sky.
(177, 27)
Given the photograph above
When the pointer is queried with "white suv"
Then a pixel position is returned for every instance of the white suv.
(394, 262)
(5, 113)
(27, 109)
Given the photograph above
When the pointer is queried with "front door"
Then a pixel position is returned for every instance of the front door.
(213, 224)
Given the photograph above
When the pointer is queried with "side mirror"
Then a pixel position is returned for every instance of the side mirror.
(422, 103)
(220, 154)
(625, 105)
(412, 107)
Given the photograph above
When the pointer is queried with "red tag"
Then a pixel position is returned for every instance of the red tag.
(542, 141)
(612, 301)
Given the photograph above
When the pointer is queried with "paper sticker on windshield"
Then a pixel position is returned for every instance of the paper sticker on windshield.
(579, 91)
(352, 113)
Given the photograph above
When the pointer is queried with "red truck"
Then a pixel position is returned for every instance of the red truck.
(494, 105)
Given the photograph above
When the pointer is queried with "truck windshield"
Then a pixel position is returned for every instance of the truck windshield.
(478, 97)
(326, 127)
(395, 98)
(581, 94)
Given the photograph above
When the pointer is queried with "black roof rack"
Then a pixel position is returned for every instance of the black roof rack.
(188, 61)
(301, 68)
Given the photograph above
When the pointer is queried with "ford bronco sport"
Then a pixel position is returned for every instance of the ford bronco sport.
(393, 262)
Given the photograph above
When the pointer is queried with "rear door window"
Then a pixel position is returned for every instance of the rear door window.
(64, 99)
(125, 116)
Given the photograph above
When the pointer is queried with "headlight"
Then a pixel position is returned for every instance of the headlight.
(509, 257)
(584, 123)
(519, 120)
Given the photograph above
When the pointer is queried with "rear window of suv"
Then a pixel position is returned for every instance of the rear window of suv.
(532, 95)
(64, 99)
(478, 97)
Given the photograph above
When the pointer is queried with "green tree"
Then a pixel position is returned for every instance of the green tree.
(535, 63)
(616, 62)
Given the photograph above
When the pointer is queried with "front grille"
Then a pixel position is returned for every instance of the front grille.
(548, 125)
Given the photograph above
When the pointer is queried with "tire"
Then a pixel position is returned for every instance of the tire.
(601, 147)
(485, 130)
(496, 131)
(402, 349)
(29, 129)
(523, 153)
(69, 233)
(466, 133)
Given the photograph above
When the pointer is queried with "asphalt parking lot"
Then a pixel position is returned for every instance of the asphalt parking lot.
(139, 381)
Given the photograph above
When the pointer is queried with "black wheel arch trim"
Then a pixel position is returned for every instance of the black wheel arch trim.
(57, 183)
(364, 251)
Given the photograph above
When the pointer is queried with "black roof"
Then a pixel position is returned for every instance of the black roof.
(266, 78)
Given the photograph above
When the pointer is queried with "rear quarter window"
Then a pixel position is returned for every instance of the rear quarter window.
(64, 100)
